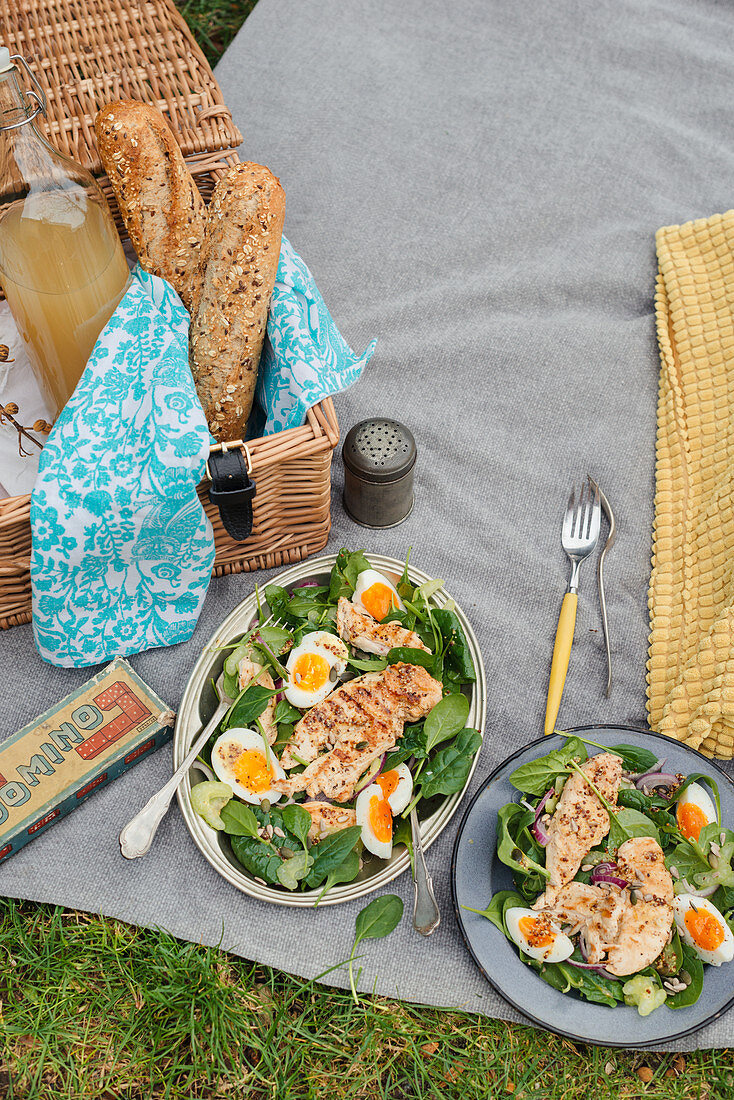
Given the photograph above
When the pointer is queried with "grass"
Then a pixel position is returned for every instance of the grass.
(93, 1009)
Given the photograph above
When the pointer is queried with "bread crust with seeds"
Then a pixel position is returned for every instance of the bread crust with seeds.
(163, 212)
(238, 263)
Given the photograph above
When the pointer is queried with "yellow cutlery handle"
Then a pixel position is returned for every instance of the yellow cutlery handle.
(561, 656)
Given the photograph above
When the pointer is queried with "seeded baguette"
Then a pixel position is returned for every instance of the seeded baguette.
(238, 263)
(163, 212)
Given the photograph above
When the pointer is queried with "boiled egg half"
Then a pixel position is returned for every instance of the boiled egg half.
(396, 786)
(374, 815)
(537, 935)
(703, 928)
(375, 594)
(242, 758)
(693, 811)
(314, 668)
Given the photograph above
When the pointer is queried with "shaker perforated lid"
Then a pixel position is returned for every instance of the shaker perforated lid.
(379, 450)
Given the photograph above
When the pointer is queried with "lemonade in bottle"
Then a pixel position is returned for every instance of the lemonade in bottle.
(62, 267)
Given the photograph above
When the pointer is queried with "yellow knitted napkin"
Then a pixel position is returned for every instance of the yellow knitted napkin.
(691, 598)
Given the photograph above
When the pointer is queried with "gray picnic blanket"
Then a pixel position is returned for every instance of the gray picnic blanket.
(478, 185)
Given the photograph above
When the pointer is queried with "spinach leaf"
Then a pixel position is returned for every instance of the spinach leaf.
(594, 987)
(693, 967)
(412, 743)
(405, 655)
(344, 573)
(292, 870)
(274, 636)
(330, 852)
(631, 823)
(403, 834)
(511, 820)
(262, 857)
(347, 871)
(284, 712)
(456, 648)
(405, 588)
(368, 664)
(537, 776)
(496, 909)
(277, 600)
(249, 706)
(231, 685)
(636, 800)
(298, 822)
(374, 922)
(446, 719)
(239, 820)
(449, 770)
(670, 958)
(634, 759)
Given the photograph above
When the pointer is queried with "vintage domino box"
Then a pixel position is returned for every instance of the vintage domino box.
(79, 745)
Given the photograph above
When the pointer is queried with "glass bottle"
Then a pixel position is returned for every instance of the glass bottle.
(62, 266)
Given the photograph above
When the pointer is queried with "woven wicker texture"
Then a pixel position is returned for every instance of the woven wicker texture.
(291, 512)
(85, 54)
(691, 596)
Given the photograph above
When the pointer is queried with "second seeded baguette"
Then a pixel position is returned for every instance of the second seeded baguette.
(238, 263)
(164, 213)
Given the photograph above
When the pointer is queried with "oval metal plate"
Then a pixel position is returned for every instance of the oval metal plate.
(199, 703)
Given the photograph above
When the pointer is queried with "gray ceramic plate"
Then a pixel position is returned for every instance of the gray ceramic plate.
(199, 703)
(477, 875)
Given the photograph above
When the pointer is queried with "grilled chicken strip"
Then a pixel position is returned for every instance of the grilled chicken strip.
(328, 819)
(645, 926)
(356, 724)
(252, 672)
(365, 633)
(579, 822)
(596, 911)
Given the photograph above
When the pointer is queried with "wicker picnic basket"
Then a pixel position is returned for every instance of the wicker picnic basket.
(86, 53)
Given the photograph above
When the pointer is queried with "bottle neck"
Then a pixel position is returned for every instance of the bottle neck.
(16, 108)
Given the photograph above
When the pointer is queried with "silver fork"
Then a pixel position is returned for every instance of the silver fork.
(579, 537)
(137, 836)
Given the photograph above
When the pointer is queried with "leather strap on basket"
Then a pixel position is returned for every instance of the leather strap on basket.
(232, 490)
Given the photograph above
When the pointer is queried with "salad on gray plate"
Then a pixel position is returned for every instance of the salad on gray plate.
(624, 886)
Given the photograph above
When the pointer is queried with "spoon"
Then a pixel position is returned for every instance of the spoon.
(137, 836)
(426, 915)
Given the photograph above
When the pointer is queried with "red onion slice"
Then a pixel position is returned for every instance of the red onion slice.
(597, 969)
(537, 828)
(657, 767)
(607, 872)
(620, 882)
(656, 779)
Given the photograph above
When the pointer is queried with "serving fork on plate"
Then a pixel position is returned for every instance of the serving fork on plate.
(579, 536)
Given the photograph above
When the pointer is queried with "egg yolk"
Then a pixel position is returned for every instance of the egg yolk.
(379, 599)
(536, 931)
(252, 772)
(691, 819)
(387, 782)
(310, 671)
(705, 930)
(380, 816)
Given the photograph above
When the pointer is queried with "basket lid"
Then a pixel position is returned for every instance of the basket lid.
(379, 450)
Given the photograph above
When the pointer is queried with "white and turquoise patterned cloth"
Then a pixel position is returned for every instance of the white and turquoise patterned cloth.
(122, 550)
(305, 357)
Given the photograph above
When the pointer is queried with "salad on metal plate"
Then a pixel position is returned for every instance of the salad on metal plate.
(349, 707)
(623, 876)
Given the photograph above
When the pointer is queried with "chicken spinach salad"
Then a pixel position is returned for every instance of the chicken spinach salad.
(623, 876)
(349, 707)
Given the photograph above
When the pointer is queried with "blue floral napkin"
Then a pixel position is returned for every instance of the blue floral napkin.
(122, 550)
(305, 357)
